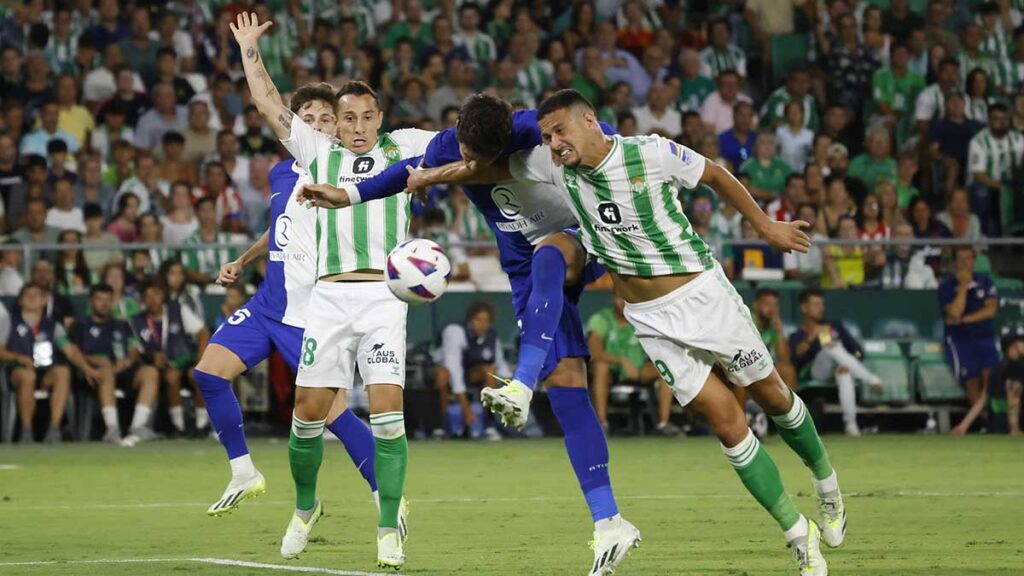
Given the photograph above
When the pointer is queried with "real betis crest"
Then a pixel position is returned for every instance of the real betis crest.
(637, 185)
(391, 153)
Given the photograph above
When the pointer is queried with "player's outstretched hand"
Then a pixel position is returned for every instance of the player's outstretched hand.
(247, 28)
(787, 236)
(323, 196)
(229, 273)
(418, 182)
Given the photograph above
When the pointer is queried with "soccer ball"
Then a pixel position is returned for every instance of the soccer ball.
(418, 271)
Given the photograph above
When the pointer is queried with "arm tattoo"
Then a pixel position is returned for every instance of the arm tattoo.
(252, 54)
(285, 121)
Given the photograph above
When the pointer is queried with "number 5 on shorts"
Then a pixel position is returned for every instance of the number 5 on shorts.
(665, 373)
(308, 351)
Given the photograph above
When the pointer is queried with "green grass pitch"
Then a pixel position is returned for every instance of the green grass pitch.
(934, 506)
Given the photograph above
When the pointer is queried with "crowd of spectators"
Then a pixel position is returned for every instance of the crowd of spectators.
(130, 121)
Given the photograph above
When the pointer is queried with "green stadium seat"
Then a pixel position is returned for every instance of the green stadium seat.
(934, 380)
(788, 52)
(782, 285)
(885, 359)
(982, 264)
(1008, 283)
(894, 328)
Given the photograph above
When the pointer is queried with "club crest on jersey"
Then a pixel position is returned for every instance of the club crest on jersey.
(391, 153)
(609, 213)
(283, 230)
(506, 201)
(638, 186)
(362, 165)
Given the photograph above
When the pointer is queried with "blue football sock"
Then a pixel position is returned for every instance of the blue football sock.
(225, 413)
(358, 441)
(543, 313)
(587, 448)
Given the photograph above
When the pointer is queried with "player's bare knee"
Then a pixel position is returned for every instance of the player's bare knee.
(771, 394)
(313, 404)
(221, 362)
(570, 373)
(385, 398)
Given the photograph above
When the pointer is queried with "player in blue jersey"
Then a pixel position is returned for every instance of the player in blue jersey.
(274, 318)
(534, 229)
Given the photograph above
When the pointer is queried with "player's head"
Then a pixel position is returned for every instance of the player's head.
(315, 104)
(964, 258)
(359, 117)
(153, 297)
(812, 304)
(480, 317)
(32, 297)
(766, 303)
(101, 299)
(484, 128)
(568, 125)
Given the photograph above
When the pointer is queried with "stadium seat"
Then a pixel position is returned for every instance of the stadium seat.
(788, 52)
(1008, 283)
(934, 380)
(885, 359)
(938, 330)
(853, 328)
(902, 328)
(782, 285)
(982, 264)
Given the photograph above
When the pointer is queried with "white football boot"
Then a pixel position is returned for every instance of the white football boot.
(297, 536)
(238, 491)
(511, 402)
(612, 544)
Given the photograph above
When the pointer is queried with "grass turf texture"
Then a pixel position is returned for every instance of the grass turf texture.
(918, 506)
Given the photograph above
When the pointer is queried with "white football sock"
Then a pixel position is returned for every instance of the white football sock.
(110, 417)
(177, 418)
(826, 485)
(140, 419)
(242, 467)
(202, 418)
(799, 530)
(607, 523)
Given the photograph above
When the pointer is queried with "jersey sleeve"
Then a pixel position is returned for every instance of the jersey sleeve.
(412, 141)
(60, 336)
(391, 181)
(190, 321)
(682, 166)
(303, 142)
(442, 149)
(533, 165)
(976, 158)
(988, 286)
(924, 106)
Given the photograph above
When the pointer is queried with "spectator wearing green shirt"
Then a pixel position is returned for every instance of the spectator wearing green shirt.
(798, 88)
(412, 27)
(590, 79)
(767, 171)
(694, 88)
(894, 92)
(876, 162)
(906, 168)
(617, 357)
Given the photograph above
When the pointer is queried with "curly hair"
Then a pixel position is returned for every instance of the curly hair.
(485, 125)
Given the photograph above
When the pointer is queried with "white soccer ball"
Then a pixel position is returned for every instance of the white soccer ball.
(418, 271)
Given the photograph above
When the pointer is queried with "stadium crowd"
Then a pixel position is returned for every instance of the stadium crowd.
(131, 122)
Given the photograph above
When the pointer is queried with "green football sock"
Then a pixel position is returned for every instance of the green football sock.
(305, 453)
(759, 474)
(797, 430)
(391, 455)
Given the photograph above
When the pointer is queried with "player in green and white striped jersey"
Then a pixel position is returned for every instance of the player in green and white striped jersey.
(353, 320)
(688, 317)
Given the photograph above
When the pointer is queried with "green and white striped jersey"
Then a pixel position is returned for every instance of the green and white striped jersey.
(996, 43)
(1011, 75)
(209, 260)
(480, 47)
(997, 157)
(358, 237)
(628, 206)
(713, 62)
(536, 76)
(930, 104)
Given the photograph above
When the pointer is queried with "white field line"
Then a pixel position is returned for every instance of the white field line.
(738, 495)
(216, 561)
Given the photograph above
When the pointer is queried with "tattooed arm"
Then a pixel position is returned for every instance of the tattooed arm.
(265, 96)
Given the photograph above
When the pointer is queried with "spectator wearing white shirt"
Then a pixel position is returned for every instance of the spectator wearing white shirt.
(165, 116)
(931, 102)
(793, 138)
(10, 270)
(806, 267)
(721, 55)
(717, 108)
(64, 215)
(180, 223)
(995, 157)
(113, 128)
(658, 116)
(144, 184)
(227, 155)
(470, 351)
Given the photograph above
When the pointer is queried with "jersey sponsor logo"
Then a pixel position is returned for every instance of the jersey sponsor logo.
(281, 256)
(362, 165)
(379, 354)
(506, 201)
(283, 230)
(743, 360)
(522, 223)
(609, 213)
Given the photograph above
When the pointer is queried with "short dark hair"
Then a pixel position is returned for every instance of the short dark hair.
(31, 286)
(202, 201)
(808, 293)
(101, 288)
(998, 107)
(357, 88)
(485, 125)
(151, 284)
(561, 100)
(765, 292)
(321, 91)
(92, 210)
(793, 176)
(173, 137)
(479, 306)
(56, 146)
(948, 61)
(166, 51)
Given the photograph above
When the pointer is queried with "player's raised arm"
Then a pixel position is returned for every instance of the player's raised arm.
(687, 168)
(265, 96)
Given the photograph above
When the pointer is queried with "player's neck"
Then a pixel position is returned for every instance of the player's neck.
(595, 155)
